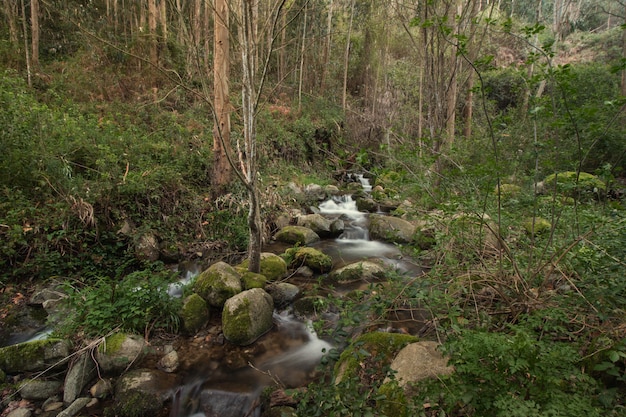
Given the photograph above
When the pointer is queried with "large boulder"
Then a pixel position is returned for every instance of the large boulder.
(142, 392)
(358, 271)
(574, 184)
(34, 356)
(391, 229)
(297, 235)
(311, 257)
(218, 283)
(247, 316)
(195, 313)
(319, 224)
(283, 293)
(119, 351)
(272, 266)
(418, 361)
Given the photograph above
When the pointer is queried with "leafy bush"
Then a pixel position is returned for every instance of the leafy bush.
(137, 303)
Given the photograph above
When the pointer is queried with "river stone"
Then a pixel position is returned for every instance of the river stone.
(247, 316)
(316, 222)
(272, 266)
(297, 235)
(75, 407)
(147, 247)
(215, 403)
(36, 389)
(34, 356)
(169, 363)
(315, 192)
(155, 386)
(101, 389)
(419, 361)
(311, 257)
(218, 283)
(80, 373)
(391, 229)
(310, 306)
(357, 271)
(253, 280)
(283, 293)
(195, 313)
(119, 351)
(20, 412)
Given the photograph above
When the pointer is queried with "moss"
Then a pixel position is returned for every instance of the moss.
(313, 258)
(236, 323)
(381, 348)
(113, 343)
(218, 283)
(195, 313)
(252, 280)
(297, 235)
(538, 226)
(508, 190)
(392, 400)
(137, 404)
(3, 376)
(33, 355)
(272, 266)
(566, 183)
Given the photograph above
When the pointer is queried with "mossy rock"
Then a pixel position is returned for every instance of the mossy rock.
(253, 280)
(218, 283)
(272, 266)
(33, 356)
(588, 184)
(195, 313)
(379, 347)
(358, 271)
(247, 316)
(392, 400)
(310, 306)
(508, 190)
(297, 235)
(119, 351)
(311, 257)
(137, 404)
(537, 227)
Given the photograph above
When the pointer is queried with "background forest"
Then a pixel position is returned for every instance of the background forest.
(504, 118)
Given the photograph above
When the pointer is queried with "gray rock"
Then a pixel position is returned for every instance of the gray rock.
(358, 271)
(101, 389)
(297, 235)
(75, 407)
(120, 351)
(20, 412)
(418, 361)
(169, 363)
(391, 229)
(283, 293)
(147, 247)
(316, 222)
(143, 391)
(80, 373)
(36, 389)
(34, 356)
(315, 192)
(229, 404)
(247, 316)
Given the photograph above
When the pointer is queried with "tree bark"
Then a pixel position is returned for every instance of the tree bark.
(221, 130)
(34, 27)
(346, 59)
(152, 24)
(10, 10)
(26, 50)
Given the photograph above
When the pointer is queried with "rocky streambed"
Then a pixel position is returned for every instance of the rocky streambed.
(244, 331)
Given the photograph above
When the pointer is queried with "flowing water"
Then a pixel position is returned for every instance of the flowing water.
(290, 352)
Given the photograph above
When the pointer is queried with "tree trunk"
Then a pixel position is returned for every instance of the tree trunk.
(221, 130)
(346, 59)
(302, 50)
(152, 35)
(10, 9)
(327, 47)
(26, 50)
(34, 27)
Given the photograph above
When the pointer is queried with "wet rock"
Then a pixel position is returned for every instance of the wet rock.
(34, 356)
(310, 306)
(272, 266)
(218, 283)
(247, 316)
(195, 313)
(311, 257)
(48, 298)
(391, 229)
(419, 361)
(36, 389)
(358, 271)
(283, 293)
(297, 235)
(216, 403)
(120, 351)
(315, 192)
(80, 373)
(316, 222)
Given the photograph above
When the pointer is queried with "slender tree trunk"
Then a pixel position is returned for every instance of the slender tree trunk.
(34, 25)
(26, 50)
(469, 106)
(346, 59)
(221, 130)
(152, 25)
(302, 50)
(10, 9)
(327, 46)
(624, 55)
